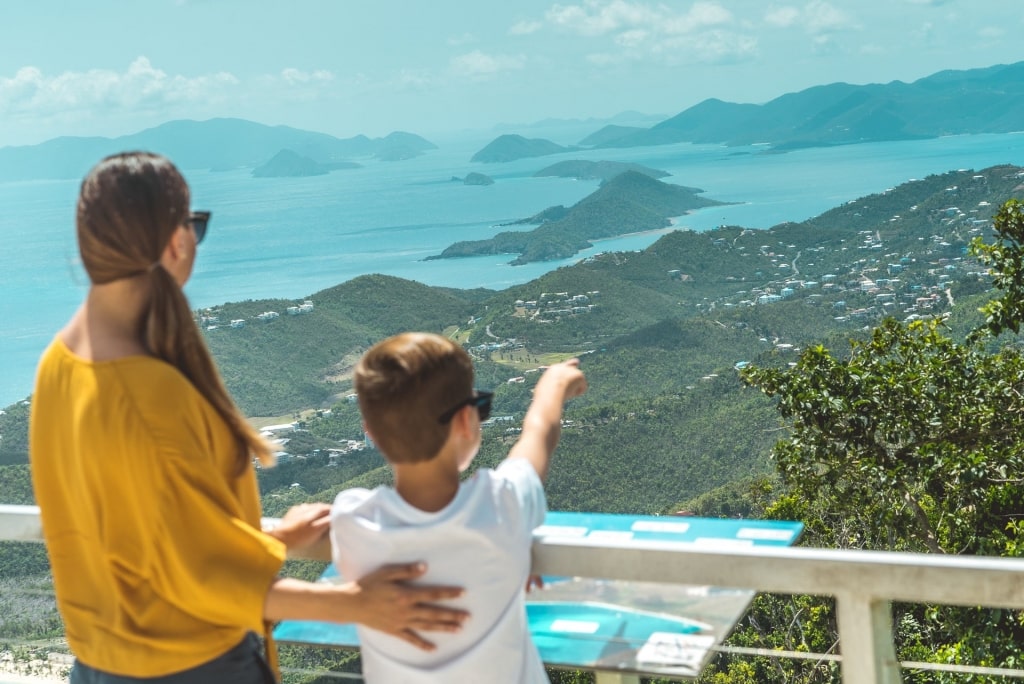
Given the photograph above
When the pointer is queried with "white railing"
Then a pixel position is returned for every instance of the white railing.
(864, 584)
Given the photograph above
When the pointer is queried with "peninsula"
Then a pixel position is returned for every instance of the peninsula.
(631, 202)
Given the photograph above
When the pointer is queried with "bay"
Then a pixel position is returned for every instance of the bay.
(291, 237)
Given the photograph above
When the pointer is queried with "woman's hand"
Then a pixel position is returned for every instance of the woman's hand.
(381, 600)
(386, 603)
(303, 525)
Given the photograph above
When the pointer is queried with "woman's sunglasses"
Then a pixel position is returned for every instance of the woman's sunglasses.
(481, 399)
(199, 221)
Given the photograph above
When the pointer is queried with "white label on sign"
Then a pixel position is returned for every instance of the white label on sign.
(764, 534)
(660, 526)
(610, 535)
(677, 650)
(575, 626)
(559, 531)
(714, 542)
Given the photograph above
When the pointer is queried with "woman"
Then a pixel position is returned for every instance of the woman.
(142, 468)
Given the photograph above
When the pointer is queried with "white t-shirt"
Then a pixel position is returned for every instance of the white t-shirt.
(480, 541)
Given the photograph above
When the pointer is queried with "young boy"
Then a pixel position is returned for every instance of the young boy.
(418, 404)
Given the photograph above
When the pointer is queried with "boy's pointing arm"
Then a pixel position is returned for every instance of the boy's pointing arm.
(542, 426)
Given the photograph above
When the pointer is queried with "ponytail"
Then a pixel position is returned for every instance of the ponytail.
(129, 207)
(170, 333)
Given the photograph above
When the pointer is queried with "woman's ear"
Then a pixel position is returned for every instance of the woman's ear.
(179, 254)
(176, 248)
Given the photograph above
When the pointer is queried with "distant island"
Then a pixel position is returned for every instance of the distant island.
(289, 164)
(989, 100)
(610, 133)
(217, 144)
(603, 170)
(474, 178)
(631, 202)
(399, 146)
(510, 147)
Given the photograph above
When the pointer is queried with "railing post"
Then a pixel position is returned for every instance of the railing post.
(615, 678)
(20, 523)
(865, 640)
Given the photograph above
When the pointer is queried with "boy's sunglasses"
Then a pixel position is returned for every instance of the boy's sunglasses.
(199, 221)
(481, 399)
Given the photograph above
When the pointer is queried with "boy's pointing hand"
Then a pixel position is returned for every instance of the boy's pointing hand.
(568, 375)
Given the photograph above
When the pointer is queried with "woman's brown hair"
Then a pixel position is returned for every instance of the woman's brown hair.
(129, 206)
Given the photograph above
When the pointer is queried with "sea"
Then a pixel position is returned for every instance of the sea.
(292, 237)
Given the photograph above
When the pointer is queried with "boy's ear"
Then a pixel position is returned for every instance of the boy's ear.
(462, 420)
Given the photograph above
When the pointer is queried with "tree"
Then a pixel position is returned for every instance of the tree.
(912, 441)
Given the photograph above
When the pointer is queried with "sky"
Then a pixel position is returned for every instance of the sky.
(438, 67)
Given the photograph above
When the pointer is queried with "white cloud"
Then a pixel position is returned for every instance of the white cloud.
(298, 77)
(815, 17)
(783, 17)
(605, 59)
(703, 32)
(721, 47)
(479, 65)
(823, 45)
(98, 92)
(525, 28)
(701, 15)
(925, 33)
(634, 38)
(992, 32)
(821, 17)
(409, 79)
(596, 18)
(464, 39)
(603, 17)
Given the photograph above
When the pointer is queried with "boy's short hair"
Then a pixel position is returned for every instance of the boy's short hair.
(404, 384)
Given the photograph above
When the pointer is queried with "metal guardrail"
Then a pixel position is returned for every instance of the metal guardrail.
(864, 583)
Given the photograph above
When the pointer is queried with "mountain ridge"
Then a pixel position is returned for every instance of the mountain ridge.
(218, 144)
(950, 102)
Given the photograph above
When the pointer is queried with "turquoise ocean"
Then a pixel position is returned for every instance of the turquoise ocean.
(291, 237)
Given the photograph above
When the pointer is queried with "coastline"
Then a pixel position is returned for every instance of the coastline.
(13, 678)
(54, 669)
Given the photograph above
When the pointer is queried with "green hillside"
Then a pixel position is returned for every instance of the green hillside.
(659, 330)
(694, 292)
(275, 366)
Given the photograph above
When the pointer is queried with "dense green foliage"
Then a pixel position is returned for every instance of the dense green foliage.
(911, 441)
(14, 434)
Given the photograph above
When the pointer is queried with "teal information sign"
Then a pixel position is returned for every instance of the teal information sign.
(587, 623)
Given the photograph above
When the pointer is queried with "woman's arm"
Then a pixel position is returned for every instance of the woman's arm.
(302, 526)
(381, 600)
